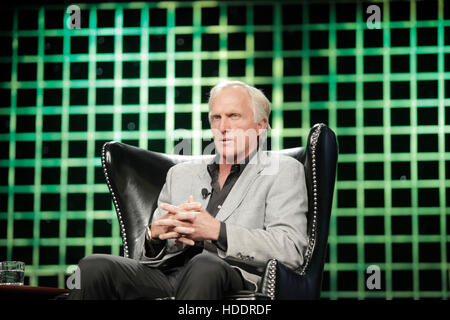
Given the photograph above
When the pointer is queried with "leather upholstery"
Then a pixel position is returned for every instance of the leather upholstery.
(135, 178)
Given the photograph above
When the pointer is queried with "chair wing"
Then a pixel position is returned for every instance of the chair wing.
(320, 161)
(135, 178)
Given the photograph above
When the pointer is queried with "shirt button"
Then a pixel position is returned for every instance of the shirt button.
(219, 206)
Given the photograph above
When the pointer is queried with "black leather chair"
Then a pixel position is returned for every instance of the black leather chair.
(135, 178)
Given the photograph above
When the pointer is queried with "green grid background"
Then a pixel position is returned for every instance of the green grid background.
(385, 92)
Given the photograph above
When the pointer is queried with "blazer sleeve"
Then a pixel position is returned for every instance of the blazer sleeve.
(284, 235)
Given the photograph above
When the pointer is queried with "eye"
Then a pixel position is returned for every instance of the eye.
(215, 117)
(235, 115)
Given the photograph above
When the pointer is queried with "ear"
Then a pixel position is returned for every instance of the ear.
(261, 125)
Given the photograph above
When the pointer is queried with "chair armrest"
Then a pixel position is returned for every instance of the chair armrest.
(267, 290)
(282, 283)
(247, 295)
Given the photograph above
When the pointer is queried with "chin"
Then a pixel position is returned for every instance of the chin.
(229, 154)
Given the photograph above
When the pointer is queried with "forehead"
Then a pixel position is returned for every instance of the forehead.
(231, 99)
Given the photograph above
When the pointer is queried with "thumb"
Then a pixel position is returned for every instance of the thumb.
(190, 199)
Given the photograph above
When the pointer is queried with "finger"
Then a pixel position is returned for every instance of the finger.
(170, 208)
(169, 235)
(191, 206)
(184, 230)
(186, 216)
(190, 199)
(168, 223)
(186, 241)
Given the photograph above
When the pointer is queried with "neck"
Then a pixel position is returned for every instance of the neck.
(227, 162)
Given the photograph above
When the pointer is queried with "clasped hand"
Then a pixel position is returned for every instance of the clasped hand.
(186, 223)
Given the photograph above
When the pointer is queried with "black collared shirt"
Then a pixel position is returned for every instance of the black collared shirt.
(218, 195)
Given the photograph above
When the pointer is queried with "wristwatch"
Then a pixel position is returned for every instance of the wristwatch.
(148, 233)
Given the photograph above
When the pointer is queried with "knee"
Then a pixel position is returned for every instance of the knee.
(97, 276)
(94, 262)
(207, 265)
(205, 277)
(95, 266)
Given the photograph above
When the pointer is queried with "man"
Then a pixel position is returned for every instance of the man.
(218, 223)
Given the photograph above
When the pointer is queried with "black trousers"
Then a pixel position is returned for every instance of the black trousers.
(204, 276)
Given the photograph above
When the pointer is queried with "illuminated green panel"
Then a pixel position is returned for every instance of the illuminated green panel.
(140, 73)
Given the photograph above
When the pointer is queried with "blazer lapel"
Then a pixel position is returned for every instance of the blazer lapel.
(239, 191)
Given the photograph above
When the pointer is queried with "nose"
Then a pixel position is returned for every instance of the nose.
(224, 125)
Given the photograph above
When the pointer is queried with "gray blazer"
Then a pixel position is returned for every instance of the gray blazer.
(265, 213)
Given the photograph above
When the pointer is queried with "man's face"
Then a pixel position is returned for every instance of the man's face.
(232, 122)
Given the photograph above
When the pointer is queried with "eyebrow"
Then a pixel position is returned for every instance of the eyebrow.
(227, 113)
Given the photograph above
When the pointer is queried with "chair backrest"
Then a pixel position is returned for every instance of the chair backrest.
(136, 176)
(320, 161)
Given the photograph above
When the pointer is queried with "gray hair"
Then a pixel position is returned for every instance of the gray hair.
(259, 103)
